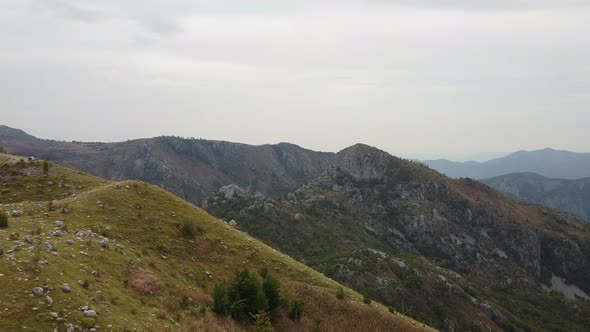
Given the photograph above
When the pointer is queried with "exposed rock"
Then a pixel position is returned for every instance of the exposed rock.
(65, 288)
(90, 313)
(58, 223)
(233, 223)
(16, 213)
(38, 291)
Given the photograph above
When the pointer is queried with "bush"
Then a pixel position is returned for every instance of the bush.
(3, 220)
(45, 167)
(340, 293)
(366, 299)
(144, 282)
(262, 322)
(296, 309)
(190, 227)
(242, 298)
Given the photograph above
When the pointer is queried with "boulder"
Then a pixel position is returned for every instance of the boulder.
(90, 313)
(38, 291)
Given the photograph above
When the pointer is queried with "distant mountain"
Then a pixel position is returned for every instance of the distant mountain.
(547, 162)
(190, 168)
(571, 196)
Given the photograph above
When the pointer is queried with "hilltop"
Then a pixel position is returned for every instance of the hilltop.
(83, 252)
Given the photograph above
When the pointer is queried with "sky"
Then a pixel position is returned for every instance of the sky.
(459, 79)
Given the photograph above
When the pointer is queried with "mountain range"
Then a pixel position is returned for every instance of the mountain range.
(452, 253)
(547, 162)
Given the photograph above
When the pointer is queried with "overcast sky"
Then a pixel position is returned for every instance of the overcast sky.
(418, 78)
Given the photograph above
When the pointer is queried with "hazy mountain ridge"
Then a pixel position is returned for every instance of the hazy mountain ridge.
(190, 168)
(571, 196)
(547, 162)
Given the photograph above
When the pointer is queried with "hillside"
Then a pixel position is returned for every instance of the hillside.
(547, 162)
(571, 196)
(190, 168)
(452, 253)
(82, 253)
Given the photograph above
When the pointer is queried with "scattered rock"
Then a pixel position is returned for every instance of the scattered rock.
(233, 223)
(38, 291)
(59, 223)
(90, 313)
(49, 300)
(28, 239)
(66, 288)
(53, 315)
(16, 213)
(70, 241)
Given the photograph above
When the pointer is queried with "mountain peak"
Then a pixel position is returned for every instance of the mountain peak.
(363, 161)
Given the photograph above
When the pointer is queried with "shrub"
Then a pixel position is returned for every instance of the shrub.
(242, 298)
(366, 299)
(45, 167)
(262, 322)
(340, 293)
(190, 227)
(3, 220)
(144, 282)
(296, 309)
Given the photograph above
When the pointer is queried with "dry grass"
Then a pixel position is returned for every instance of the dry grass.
(341, 315)
(145, 282)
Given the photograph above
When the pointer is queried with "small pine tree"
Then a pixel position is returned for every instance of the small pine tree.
(271, 290)
(3, 220)
(220, 303)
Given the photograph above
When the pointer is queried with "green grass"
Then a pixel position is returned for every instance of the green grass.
(185, 248)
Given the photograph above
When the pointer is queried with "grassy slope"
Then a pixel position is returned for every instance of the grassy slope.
(146, 222)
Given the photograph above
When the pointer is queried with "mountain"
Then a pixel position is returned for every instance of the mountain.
(190, 168)
(571, 196)
(452, 253)
(82, 253)
(547, 162)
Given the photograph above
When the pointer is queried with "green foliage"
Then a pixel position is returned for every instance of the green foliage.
(296, 309)
(271, 288)
(190, 227)
(242, 298)
(3, 220)
(262, 321)
(366, 299)
(220, 302)
(340, 293)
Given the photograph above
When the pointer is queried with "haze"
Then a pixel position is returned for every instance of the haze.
(415, 78)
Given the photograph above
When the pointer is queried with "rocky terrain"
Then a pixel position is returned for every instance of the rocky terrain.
(547, 162)
(79, 253)
(452, 253)
(571, 196)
